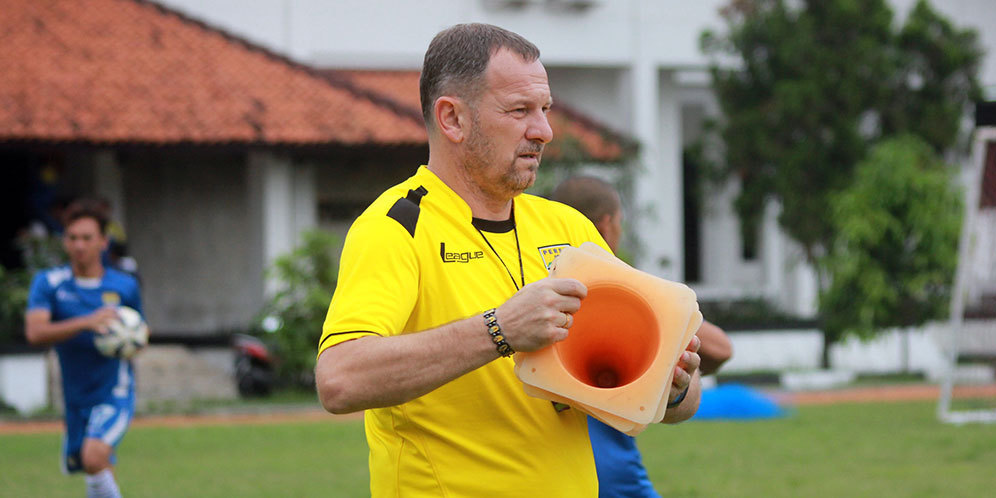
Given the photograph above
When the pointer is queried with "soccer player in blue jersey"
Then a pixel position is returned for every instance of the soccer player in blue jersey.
(618, 462)
(67, 307)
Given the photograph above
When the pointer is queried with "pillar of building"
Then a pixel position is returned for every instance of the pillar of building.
(108, 183)
(284, 202)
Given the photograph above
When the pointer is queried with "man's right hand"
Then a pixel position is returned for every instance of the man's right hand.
(540, 313)
(99, 320)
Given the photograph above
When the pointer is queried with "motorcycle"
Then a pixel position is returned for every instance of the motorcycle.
(254, 366)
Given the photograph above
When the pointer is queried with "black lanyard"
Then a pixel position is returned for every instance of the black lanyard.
(518, 250)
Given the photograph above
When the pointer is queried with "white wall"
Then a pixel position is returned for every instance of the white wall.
(394, 33)
(893, 350)
(775, 351)
(204, 226)
(914, 350)
(196, 244)
(601, 92)
(23, 382)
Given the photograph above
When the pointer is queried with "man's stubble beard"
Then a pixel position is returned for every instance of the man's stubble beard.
(480, 149)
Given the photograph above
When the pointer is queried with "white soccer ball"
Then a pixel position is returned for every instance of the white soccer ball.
(125, 335)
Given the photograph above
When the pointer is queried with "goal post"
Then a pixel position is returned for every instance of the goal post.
(975, 268)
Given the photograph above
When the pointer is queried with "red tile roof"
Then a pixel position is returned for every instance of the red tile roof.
(127, 71)
(576, 136)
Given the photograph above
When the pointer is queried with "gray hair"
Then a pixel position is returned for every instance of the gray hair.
(457, 58)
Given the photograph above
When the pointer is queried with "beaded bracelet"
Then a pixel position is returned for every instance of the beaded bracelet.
(491, 321)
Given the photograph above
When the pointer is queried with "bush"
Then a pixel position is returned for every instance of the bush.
(14, 285)
(292, 319)
(38, 252)
(748, 314)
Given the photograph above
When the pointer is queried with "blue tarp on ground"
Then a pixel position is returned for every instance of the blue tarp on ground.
(736, 402)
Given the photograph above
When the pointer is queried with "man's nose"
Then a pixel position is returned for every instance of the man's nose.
(539, 128)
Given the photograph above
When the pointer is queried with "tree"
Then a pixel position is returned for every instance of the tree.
(936, 80)
(816, 86)
(894, 259)
(819, 82)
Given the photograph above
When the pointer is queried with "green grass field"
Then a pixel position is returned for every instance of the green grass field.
(876, 449)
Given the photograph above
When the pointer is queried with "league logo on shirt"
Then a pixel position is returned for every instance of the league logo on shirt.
(64, 296)
(548, 253)
(458, 257)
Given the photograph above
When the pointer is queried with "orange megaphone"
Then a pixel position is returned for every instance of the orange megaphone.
(618, 359)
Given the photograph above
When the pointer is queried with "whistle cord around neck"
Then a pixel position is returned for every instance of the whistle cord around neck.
(518, 250)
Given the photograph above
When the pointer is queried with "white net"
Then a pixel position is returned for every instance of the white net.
(968, 390)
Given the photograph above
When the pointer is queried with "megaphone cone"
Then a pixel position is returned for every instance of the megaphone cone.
(618, 359)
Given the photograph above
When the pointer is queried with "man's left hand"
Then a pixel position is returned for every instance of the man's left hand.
(686, 366)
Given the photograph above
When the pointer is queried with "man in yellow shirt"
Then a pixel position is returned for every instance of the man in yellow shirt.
(442, 278)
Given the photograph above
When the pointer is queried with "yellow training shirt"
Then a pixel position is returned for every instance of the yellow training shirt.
(416, 259)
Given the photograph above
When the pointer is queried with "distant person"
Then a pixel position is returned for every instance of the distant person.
(442, 279)
(68, 306)
(620, 467)
(116, 254)
(44, 202)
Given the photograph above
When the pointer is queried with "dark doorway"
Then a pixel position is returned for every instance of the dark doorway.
(18, 170)
(691, 193)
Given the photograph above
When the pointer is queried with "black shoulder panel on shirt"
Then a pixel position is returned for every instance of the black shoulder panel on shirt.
(405, 211)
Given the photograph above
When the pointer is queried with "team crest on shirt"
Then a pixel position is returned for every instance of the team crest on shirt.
(110, 298)
(548, 253)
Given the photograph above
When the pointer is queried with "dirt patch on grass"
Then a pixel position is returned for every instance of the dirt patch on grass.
(913, 392)
(191, 420)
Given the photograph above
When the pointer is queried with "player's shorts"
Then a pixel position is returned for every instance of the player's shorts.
(106, 421)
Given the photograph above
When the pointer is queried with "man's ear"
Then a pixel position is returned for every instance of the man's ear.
(451, 118)
(603, 224)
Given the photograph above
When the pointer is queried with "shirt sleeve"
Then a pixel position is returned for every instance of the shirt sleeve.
(41, 294)
(377, 285)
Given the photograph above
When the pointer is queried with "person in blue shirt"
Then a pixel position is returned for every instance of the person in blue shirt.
(618, 462)
(67, 307)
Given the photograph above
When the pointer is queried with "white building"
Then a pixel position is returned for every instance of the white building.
(635, 64)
